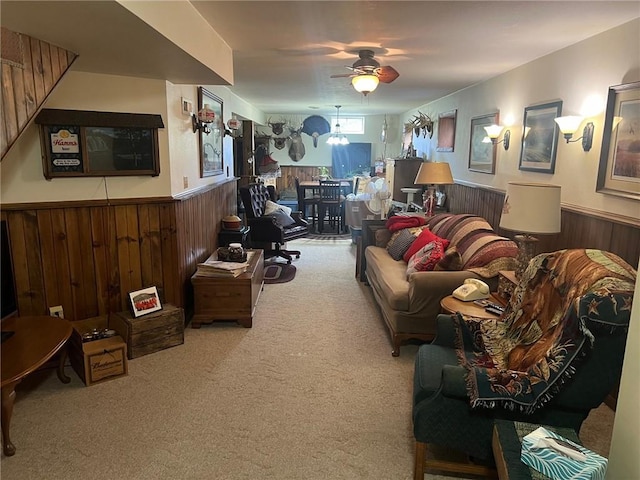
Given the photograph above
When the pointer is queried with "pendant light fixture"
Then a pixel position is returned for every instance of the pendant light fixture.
(337, 138)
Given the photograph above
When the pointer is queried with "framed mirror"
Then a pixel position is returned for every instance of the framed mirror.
(446, 131)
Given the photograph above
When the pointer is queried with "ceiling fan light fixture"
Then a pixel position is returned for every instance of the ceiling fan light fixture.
(365, 83)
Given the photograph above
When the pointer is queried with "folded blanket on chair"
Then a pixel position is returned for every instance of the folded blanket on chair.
(398, 222)
(521, 360)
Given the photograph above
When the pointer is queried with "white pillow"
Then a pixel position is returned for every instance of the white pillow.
(272, 207)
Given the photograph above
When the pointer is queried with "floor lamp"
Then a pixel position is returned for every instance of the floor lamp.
(432, 174)
(530, 208)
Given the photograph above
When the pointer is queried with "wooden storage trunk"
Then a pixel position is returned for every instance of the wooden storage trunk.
(152, 332)
(99, 360)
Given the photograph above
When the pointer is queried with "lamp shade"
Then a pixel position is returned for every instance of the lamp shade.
(494, 131)
(434, 173)
(531, 208)
(365, 83)
(569, 124)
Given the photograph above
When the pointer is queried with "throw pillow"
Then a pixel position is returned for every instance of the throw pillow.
(281, 218)
(400, 243)
(426, 236)
(426, 258)
(452, 261)
(271, 207)
(383, 236)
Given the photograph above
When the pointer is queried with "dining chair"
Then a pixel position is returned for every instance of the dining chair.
(331, 206)
(306, 200)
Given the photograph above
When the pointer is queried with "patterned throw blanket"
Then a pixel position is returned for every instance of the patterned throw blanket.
(563, 299)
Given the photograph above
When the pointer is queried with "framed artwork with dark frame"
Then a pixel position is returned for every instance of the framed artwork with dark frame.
(482, 155)
(211, 138)
(540, 138)
(446, 131)
(619, 169)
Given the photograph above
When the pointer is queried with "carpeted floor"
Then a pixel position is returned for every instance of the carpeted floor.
(310, 392)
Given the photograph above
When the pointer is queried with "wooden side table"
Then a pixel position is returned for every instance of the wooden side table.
(450, 304)
(225, 237)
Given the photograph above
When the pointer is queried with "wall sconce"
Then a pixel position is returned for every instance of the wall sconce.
(494, 131)
(202, 120)
(365, 83)
(569, 125)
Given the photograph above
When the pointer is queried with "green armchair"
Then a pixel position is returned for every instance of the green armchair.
(554, 355)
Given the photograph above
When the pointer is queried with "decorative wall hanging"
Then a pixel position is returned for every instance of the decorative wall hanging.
(446, 131)
(540, 138)
(296, 147)
(211, 160)
(315, 125)
(619, 170)
(482, 155)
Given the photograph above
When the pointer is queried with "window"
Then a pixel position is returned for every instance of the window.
(351, 125)
(77, 143)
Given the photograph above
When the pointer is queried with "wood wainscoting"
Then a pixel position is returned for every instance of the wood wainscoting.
(88, 255)
(581, 228)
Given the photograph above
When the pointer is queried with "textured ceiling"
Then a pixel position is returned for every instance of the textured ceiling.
(285, 52)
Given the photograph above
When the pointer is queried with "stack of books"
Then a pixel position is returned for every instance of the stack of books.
(212, 267)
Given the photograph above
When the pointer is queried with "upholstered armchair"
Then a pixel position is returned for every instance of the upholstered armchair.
(271, 229)
(554, 355)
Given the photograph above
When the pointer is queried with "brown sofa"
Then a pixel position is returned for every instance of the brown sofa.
(410, 304)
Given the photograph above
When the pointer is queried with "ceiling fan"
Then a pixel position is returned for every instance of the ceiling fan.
(367, 73)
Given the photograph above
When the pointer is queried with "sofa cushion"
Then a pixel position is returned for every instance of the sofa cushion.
(389, 277)
(426, 258)
(425, 237)
(400, 243)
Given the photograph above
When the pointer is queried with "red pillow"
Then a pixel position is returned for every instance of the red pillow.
(425, 237)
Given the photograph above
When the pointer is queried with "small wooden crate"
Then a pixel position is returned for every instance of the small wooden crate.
(152, 332)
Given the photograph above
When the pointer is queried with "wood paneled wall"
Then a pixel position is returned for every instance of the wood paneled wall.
(290, 172)
(580, 228)
(30, 70)
(88, 256)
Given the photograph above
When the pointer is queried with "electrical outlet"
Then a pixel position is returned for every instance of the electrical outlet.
(56, 311)
(185, 182)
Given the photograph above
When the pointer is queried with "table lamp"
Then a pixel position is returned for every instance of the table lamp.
(530, 208)
(432, 174)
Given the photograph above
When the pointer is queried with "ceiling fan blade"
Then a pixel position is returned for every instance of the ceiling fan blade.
(387, 74)
(342, 75)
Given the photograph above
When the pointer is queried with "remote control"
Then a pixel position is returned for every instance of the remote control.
(495, 311)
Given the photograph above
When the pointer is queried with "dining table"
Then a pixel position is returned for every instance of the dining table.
(312, 188)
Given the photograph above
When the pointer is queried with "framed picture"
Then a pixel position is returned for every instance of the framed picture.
(145, 301)
(211, 140)
(446, 131)
(540, 138)
(482, 155)
(619, 170)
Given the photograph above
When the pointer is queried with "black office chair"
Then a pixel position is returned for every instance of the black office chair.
(265, 228)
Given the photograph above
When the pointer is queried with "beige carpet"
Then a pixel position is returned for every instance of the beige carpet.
(310, 392)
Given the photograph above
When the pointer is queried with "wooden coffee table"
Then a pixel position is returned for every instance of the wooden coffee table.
(34, 341)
